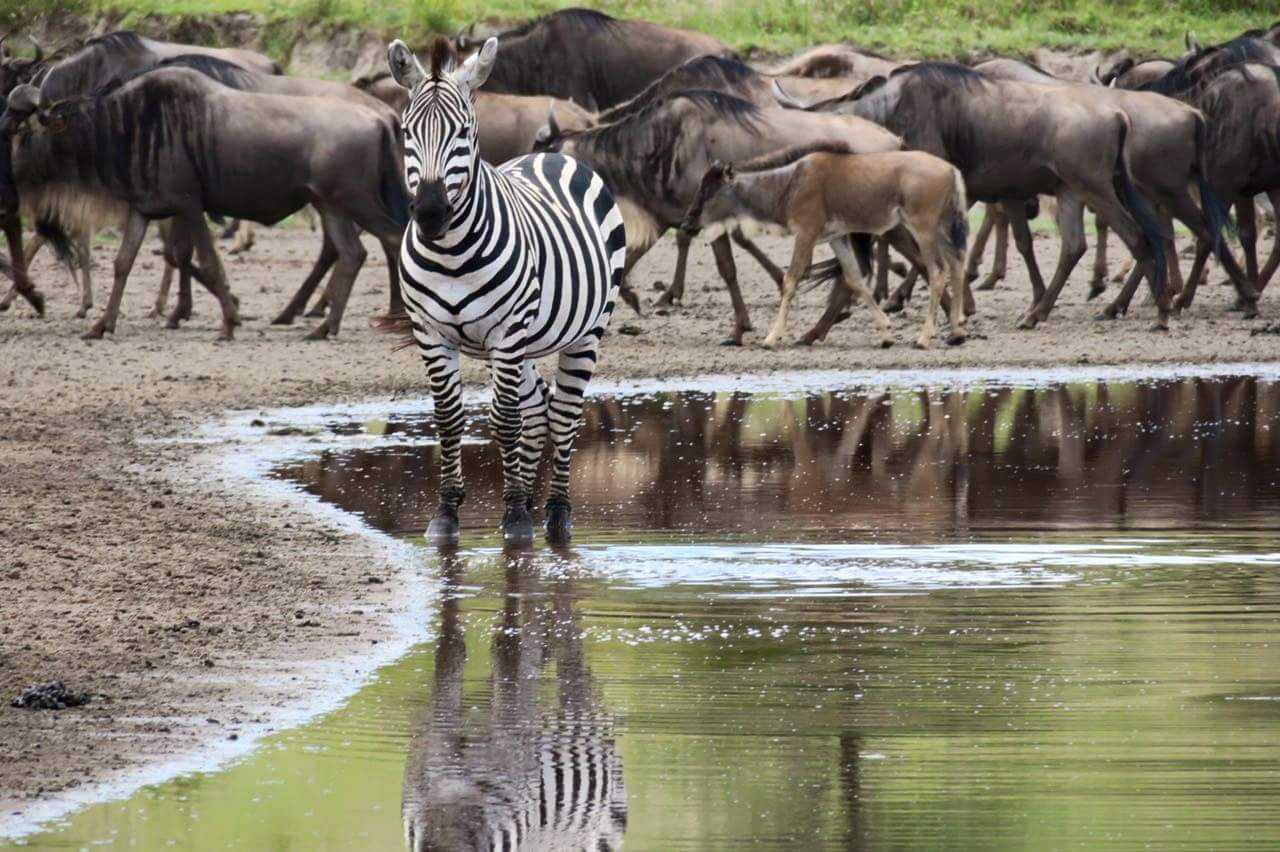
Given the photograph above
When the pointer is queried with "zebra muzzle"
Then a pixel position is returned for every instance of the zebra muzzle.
(431, 209)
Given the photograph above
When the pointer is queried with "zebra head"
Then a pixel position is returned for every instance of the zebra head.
(442, 153)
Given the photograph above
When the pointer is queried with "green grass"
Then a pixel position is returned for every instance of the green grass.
(906, 28)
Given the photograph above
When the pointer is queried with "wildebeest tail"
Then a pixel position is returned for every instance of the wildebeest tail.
(819, 273)
(53, 233)
(1138, 207)
(394, 196)
(1215, 209)
(400, 324)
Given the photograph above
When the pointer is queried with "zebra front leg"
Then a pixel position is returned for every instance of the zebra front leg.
(577, 366)
(446, 392)
(506, 424)
(534, 399)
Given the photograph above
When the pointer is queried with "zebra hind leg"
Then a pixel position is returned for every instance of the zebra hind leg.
(577, 366)
(534, 398)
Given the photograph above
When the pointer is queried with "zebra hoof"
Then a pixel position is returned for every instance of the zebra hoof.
(559, 521)
(517, 525)
(444, 527)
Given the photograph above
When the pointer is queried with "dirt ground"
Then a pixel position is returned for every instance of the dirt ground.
(130, 571)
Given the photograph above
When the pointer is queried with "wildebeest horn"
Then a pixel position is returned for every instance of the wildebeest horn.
(1193, 43)
(866, 88)
(4, 51)
(784, 98)
(553, 127)
(1095, 76)
(24, 100)
(39, 49)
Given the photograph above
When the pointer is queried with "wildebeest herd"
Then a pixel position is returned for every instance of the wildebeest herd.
(634, 129)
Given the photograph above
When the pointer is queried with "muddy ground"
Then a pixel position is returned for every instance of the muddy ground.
(131, 572)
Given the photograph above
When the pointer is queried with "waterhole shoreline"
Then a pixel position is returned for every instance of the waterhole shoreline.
(236, 451)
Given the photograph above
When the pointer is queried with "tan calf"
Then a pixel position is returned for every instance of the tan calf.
(823, 193)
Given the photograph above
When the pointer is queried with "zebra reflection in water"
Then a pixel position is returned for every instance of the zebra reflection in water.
(520, 777)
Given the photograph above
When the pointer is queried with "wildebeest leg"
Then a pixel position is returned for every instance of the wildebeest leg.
(1264, 278)
(135, 230)
(675, 293)
(230, 230)
(1070, 219)
(12, 226)
(1016, 213)
(320, 306)
(162, 296)
(211, 273)
(85, 278)
(1106, 205)
(1194, 277)
(979, 245)
(729, 272)
(391, 251)
(852, 279)
(881, 291)
(328, 255)
(763, 259)
(1000, 262)
(1098, 284)
(1247, 227)
(245, 239)
(351, 256)
(838, 297)
(902, 240)
(801, 257)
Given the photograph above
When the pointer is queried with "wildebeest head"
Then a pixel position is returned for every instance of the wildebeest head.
(714, 200)
(16, 70)
(20, 104)
(442, 151)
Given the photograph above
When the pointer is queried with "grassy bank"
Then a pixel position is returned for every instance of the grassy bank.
(908, 28)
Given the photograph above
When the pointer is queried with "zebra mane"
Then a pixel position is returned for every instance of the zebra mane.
(444, 57)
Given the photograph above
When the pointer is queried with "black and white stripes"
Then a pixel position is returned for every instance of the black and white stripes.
(508, 264)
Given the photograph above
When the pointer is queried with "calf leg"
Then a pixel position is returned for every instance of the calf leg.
(838, 297)
(801, 257)
(244, 240)
(881, 291)
(351, 256)
(135, 230)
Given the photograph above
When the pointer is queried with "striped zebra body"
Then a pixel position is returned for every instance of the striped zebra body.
(507, 264)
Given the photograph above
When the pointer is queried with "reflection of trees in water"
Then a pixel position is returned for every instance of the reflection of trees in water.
(1125, 454)
(518, 778)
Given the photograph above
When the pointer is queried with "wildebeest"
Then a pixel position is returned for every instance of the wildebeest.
(654, 160)
(843, 61)
(1014, 141)
(591, 58)
(1129, 73)
(1166, 151)
(172, 142)
(825, 193)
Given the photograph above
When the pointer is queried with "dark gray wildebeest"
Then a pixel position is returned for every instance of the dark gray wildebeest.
(825, 193)
(590, 58)
(1241, 104)
(654, 160)
(1129, 73)
(1013, 141)
(173, 143)
(236, 77)
(538, 768)
(843, 61)
(1167, 153)
(95, 65)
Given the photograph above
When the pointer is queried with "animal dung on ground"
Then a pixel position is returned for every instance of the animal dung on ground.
(53, 695)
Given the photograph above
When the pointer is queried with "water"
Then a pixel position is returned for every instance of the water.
(988, 617)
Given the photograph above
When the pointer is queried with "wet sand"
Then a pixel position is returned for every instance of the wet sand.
(119, 538)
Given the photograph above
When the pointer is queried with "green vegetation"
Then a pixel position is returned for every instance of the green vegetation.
(907, 28)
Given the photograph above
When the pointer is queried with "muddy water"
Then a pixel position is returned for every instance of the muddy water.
(981, 617)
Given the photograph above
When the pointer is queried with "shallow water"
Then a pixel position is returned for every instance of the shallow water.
(989, 617)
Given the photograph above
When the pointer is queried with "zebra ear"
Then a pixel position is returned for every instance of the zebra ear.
(405, 67)
(477, 67)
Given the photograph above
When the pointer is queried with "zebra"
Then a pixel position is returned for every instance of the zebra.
(506, 264)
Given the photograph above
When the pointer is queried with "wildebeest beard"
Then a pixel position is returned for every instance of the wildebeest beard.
(640, 154)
